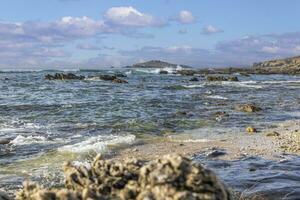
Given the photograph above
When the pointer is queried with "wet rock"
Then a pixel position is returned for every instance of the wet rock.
(4, 141)
(194, 79)
(248, 108)
(62, 76)
(163, 72)
(186, 72)
(171, 177)
(222, 78)
(272, 134)
(251, 129)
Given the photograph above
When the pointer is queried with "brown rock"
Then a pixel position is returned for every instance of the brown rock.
(248, 108)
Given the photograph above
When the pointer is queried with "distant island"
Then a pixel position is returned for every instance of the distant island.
(276, 66)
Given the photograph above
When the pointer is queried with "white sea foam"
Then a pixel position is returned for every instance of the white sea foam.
(217, 97)
(193, 86)
(22, 140)
(247, 84)
(95, 78)
(170, 70)
(98, 144)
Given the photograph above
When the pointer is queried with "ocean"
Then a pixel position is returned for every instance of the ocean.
(49, 122)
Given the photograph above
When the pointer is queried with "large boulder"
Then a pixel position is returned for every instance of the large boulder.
(247, 108)
(62, 76)
(171, 177)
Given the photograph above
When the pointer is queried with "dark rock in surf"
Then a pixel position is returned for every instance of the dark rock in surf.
(163, 72)
(107, 77)
(4, 141)
(194, 79)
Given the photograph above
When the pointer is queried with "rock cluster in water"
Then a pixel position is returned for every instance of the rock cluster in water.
(168, 178)
(70, 76)
(222, 78)
(62, 76)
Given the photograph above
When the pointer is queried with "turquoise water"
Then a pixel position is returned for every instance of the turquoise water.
(52, 121)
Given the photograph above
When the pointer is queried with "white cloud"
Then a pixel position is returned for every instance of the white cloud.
(129, 16)
(186, 17)
(210, 29)
(268, 49)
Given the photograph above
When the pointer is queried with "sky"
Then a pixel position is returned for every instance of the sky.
(95, 34)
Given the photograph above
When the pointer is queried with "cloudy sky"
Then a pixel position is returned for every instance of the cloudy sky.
(72, 34)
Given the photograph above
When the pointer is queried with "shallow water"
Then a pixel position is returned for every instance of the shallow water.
(49, 122)
(258, 177)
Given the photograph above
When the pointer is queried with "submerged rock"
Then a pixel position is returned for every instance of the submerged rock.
(248, 108)
(62, 76)
(171, 177)
(4, 141)
(112, 78)
(118, 80)
(120, 75)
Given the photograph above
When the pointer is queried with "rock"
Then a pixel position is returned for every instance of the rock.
(251, 129)
(117, 80)
(186, 72)
(222, 78)
(248, 108)
(4, 141)
(272, 134)
(62, 76)
(194, 79)
(163, 72)
(170, 177)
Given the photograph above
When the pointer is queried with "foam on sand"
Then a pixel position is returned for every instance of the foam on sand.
(98, 144)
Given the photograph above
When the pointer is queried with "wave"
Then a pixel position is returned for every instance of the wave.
(98, 144)
(193, 86)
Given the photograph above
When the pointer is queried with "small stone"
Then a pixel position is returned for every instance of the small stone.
(272, 134)
(251, 129)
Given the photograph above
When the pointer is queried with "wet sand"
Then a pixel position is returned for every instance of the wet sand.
(268, 143)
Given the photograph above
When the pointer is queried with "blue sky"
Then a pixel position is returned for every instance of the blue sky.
(40, 34)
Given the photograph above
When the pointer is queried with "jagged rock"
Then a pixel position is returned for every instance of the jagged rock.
(194, 79)
(62, 76)
(172, 177)
(222, 78)
(163, 72)
(186, 72)
(248, 108)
